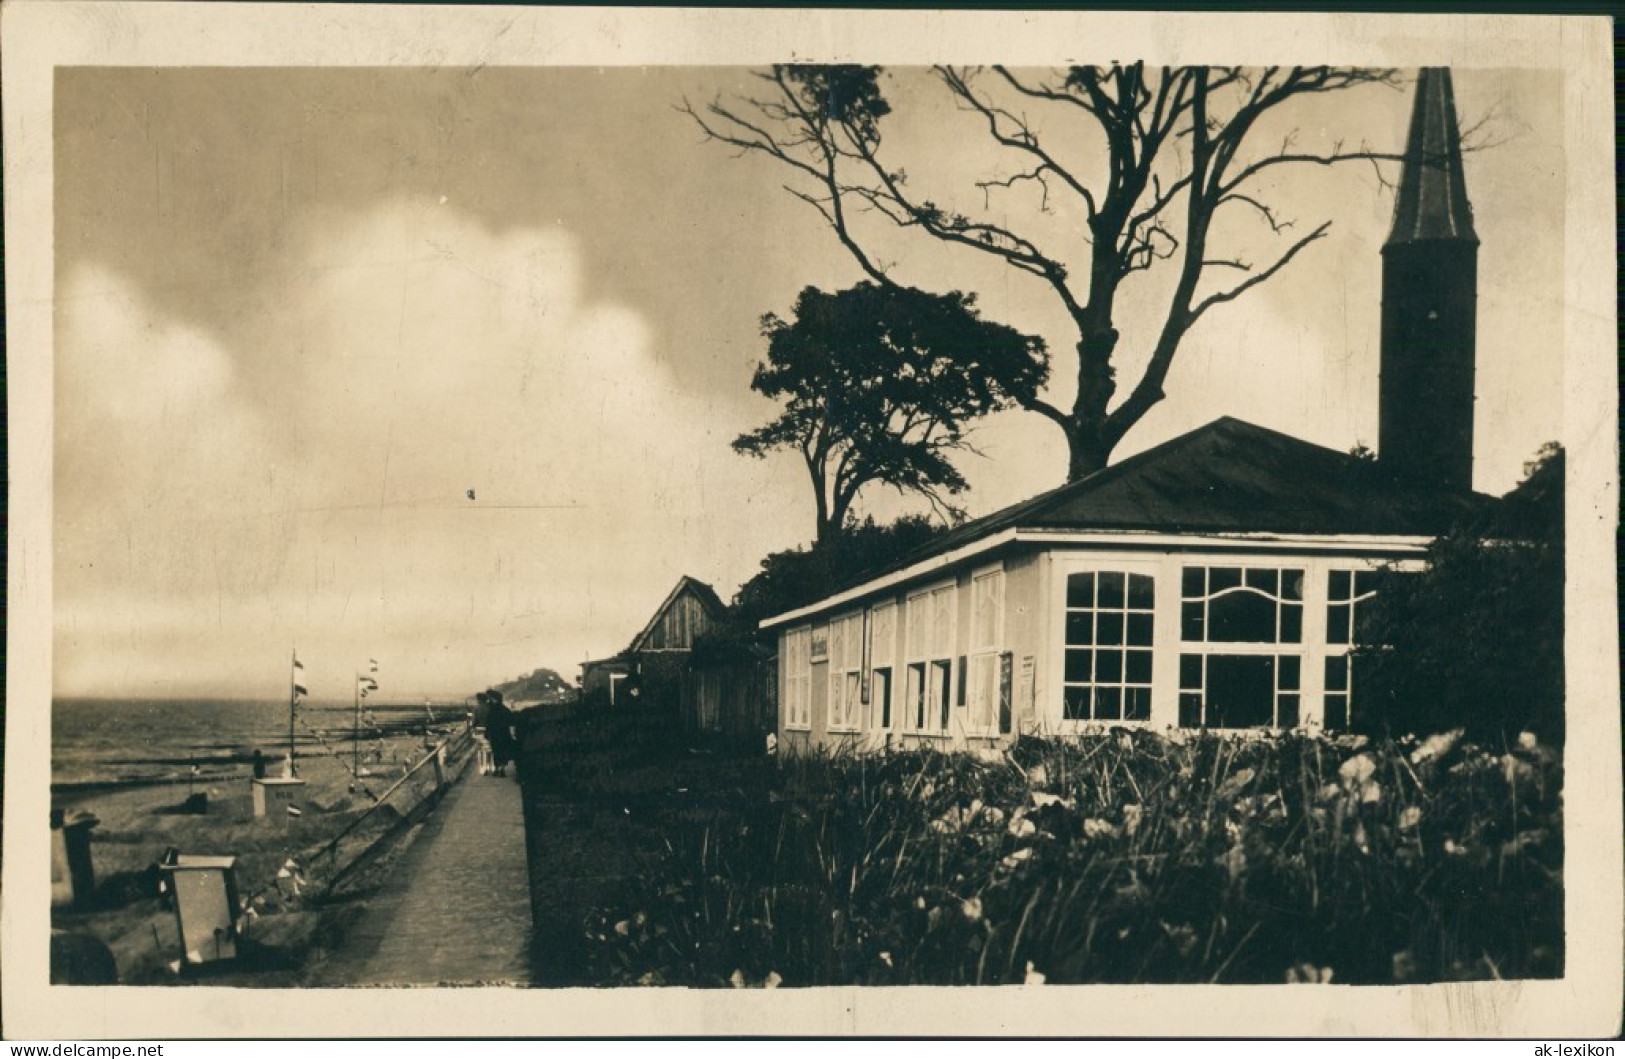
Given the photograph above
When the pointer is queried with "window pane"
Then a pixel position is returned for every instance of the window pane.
(944, 686)
(1192, 582)
(1287, 674)
(1222, 577)
(1080, 629)
(1111, 590)
(1190, 622)
(1109, 629)
(1265, 580)
(1108, 667)
(1337, 711)
(1337, 673)
(1137, 704)
(1338, 587)
(1190, 710)
(1077, 704)
(1080, 590)
(1139, 667)
(1337, 623)
(1292, 584)
(1287, 711)
(880, 694)
(1190, 672)
(1292, 623)
(1365, 581)
(1140, 595)
(1108, 704)
(1240, 690)
(1139, 630)
(1078, 666)
(1241, 617)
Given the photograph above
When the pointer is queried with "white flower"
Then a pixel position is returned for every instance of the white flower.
(1356, 770)
(1527, 741)
(972, 908)
(1410, 817)
(1437, 746)
(1034, 976)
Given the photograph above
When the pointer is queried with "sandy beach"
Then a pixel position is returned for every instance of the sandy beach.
(289, 907)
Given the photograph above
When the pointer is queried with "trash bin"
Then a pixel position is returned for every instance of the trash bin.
(205, 893)
(73, 876)
(277, 795)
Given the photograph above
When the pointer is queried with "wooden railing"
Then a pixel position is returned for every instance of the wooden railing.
(448, 753)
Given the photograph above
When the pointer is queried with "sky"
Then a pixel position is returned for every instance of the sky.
(303, 314)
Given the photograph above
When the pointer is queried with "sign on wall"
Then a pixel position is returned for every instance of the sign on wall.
(820, 644)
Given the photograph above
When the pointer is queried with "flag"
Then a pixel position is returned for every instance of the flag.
(299, 677)
(374, 662)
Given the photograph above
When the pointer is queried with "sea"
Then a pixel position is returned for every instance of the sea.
(139, 742)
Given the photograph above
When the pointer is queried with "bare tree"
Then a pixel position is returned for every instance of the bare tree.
(1177, 153)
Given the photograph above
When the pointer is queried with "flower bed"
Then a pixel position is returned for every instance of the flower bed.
(1122, 857)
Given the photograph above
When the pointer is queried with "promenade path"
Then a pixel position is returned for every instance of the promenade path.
(456, 910)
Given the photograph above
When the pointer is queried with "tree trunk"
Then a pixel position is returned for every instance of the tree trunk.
(1087, 446)
(1086, 453)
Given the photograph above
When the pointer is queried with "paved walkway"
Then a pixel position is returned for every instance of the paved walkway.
(457, 909)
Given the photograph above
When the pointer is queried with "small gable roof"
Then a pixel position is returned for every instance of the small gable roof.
(1229, 476)
(703, 592)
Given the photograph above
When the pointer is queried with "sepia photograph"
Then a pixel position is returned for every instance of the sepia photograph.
(520, 508)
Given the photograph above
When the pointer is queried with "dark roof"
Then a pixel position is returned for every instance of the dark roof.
(1432, 201)
(703, 592)
(1228, 477)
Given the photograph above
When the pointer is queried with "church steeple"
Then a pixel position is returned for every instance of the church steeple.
(1430, 303)
(1432, 202)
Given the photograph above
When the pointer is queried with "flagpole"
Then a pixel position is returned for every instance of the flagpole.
(293, 705)
(355, 732)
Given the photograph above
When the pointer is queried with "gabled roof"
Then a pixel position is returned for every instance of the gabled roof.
(1432, 200)
(703, 592)
(1227, 477)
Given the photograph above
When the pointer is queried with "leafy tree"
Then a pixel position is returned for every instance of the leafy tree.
(796, 577)
(1476, 641)
(881, 384)
(1173, 155)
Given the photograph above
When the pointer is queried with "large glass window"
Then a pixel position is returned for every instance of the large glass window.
(930, 637)
(845, 672)
(882, 649)
(987, 640)
(1241, 664)
(1109, 627)
(1346, 590)
(798, 678)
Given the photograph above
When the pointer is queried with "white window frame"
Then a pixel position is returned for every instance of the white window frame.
(1097, 565)
(1277, 649)
(797, 665)
(935, 655)
(846, 672)
(1341, 651)
(882, 655)
(983, 657)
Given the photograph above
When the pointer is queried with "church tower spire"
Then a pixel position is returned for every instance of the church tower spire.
(1430, 302)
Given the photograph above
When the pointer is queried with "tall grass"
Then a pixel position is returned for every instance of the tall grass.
(1121, 857)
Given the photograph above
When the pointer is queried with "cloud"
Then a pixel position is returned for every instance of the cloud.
(305, 477)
